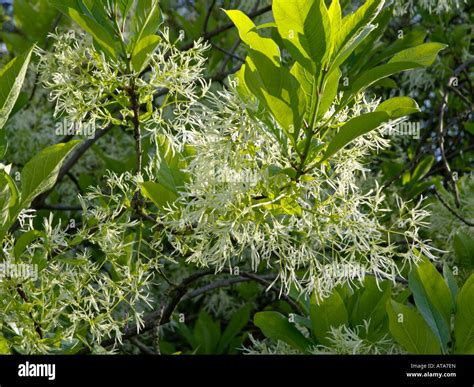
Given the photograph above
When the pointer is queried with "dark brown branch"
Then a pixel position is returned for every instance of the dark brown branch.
(208, 16)
(142, 347)
(451, 210)
(163, 316)
(442, 150)
(23, 296)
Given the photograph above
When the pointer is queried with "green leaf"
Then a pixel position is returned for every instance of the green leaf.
(464, 319)
(433, 299)
(398, 107)
(413, 38)
(424, 54)
(147, 19)
(452, 284)
(158, 193)
(330, 312)
(423, 168)
(463, 244)
(8, 185)
(125, 6)
(40, 173)
(350, 47)
(354, 22)
(375, 74)
(11, 80)
(143, 50)
(370, 303)
(410, 330)
(305, 28)
(308, 89)
(335, 17)
(100, 34)
(386, 82)
(4, 346)
(24, 240)
(277, 327)
(331, 87)
(7, 200)
(249, 35)
(272, 84)
(277, 89)
(354, 128)
(238, 321)
(26, 16)
(64, 5)
(207, 333)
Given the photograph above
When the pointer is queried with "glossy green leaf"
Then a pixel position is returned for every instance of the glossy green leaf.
(125, 6)
(159, 194)
(277, 89)
(375, 74)
(398, 107)
(250, 36)
(351, 46)
(207, 333)
(96, 30)
(40, 173)
(424, 54)
(277, 327)
(26, 15)
(433, 300)
(410, 330)
(452, 283)
(463, 243)
(305, 28)
(147, 19)
(423, 167)
(354, 128)
(24, 240)
(143, 50)
(11, 80)
(331, 87)
(370, 303)
(464, 319)
(237, 322)
(329, 313)
(354, 22)
(412, 38)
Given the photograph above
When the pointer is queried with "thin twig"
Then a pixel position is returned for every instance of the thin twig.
(451, 210)
(229, 26)
(142, 347)
(442, 150)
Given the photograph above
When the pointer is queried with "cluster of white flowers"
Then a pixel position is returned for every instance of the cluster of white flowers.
(354, 341)
(343, 340)
(402, 7)
(317, 232)
(82, 82)
(91, 290)
(178, 78)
